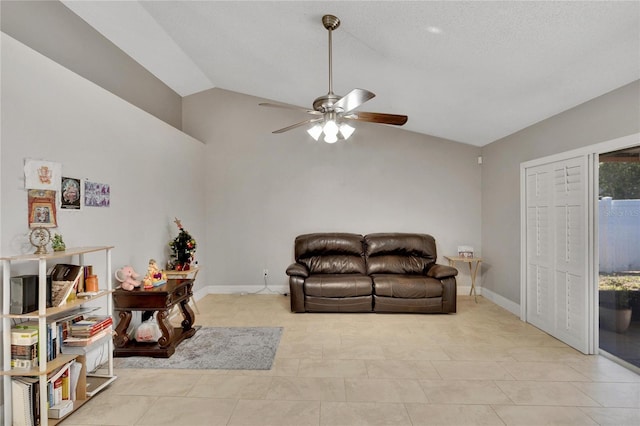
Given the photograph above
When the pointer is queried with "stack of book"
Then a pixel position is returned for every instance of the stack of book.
(61, 389)
(24, 348)
(88, 330)
(52, 341)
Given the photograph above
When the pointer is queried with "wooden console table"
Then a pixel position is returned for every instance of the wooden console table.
(161, 299)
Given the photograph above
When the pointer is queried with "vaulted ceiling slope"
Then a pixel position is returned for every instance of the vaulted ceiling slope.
(468, 71)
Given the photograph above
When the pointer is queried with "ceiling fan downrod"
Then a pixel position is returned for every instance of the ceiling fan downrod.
(325, 103)
(331, 23)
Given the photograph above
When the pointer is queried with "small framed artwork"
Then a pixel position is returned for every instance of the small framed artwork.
(97, 194)
(42, 208)
(465, 251)
(71, 194)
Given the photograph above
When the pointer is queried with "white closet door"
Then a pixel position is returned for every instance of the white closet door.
(557, 278)
(540, 310)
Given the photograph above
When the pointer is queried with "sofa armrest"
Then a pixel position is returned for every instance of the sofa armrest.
(297, 270)
(442, 271)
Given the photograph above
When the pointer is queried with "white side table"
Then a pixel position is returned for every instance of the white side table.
(472, 271)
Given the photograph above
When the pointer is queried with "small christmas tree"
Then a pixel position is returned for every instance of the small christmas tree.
(183, 248)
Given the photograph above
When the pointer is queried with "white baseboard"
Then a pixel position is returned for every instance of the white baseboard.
(463, 290)
(507, 304)
(501, 301)
(241, 289)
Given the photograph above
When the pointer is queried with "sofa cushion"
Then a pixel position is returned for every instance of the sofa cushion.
(398, 253)
(406, 286)
(331, 253)
(339, 304)
(338, 285)
(394, 304)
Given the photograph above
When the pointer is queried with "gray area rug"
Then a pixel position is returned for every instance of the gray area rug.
(217, 348)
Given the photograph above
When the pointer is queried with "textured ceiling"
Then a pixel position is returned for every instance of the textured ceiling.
(472, 72)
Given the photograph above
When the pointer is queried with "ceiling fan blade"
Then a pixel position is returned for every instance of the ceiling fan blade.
(302, 123)
(353, 100)
(295, 108)
(378, 117)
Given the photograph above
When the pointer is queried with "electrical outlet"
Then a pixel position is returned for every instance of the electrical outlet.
(265, 272)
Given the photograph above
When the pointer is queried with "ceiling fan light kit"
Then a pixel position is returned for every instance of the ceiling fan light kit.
(332, 111)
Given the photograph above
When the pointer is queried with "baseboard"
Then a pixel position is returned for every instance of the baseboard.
(501, 301)
(505, 303)
(241, 289)
(463, 290)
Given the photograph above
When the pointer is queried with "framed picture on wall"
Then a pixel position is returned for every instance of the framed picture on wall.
(42, 208)
(71, 194)
(97, 194)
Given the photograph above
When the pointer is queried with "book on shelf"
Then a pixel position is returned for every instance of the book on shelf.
(24, 336)
(74, 376)
(24, 351)
(90, 325)
(23, 364)
(25, 401)
(61, 409)
(24, 348)
(52, 341)
(24, 357)
(61, 382)
(25, 295)
(85, 341)
(65, 279)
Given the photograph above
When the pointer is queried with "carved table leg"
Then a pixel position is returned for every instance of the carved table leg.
(187, 314)
(121, 338)
(167, 331)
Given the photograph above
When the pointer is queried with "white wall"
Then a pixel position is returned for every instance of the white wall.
(155, 171)
(604, 118)
(264, 189)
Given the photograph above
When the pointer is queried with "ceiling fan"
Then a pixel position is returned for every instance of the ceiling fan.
(332, 112)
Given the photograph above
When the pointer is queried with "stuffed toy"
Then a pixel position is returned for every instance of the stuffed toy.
(128, 278)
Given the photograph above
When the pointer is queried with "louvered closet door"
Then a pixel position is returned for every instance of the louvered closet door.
(540, 289)
(556, 256)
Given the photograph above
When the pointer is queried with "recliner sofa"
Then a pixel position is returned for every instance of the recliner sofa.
(384, 272)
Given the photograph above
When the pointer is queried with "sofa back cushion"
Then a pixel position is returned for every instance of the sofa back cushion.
(331, 253)
(398, 253)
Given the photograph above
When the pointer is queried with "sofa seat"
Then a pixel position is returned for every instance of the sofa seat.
(431, 305)
(338, 285)
(338, 304)
(406, 286)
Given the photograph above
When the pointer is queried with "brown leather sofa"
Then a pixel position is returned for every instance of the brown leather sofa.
(390, 272)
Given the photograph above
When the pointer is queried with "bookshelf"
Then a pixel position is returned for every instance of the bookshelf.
(88, 384)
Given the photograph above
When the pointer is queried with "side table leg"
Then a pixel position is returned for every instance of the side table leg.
(188, 315)
(121, 338)
(473, 281)
(473, 278)
(167, 331)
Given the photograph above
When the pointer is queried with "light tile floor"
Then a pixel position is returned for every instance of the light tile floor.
(479, 366)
